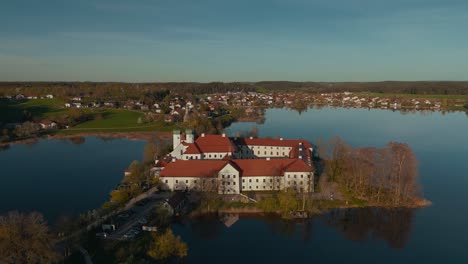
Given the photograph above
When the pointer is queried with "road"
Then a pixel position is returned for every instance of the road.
(141, 211)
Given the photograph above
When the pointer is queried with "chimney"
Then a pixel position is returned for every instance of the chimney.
(300, 143)
(268, 158)
(173, 159)
(224, 135)
(203, 135)
(281, 138)
(251, 137)
(300, 157)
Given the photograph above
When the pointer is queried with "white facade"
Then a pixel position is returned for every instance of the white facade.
(253, 151)
(229, 181)
(229, 178)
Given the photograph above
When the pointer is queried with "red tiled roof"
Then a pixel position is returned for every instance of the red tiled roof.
(193, 168)
(192, 148)
(272, 142)
(215, 143)
(263, 167)
(298, 165)
(247, 167)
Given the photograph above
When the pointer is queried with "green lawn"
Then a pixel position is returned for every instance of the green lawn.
(419, 96)
(118, 120)
(13, 111)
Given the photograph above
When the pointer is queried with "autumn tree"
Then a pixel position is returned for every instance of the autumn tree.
(149, 153)
(167, 245)
(25, 238)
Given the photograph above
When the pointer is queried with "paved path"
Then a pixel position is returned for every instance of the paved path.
(86, 255)
(141, 211)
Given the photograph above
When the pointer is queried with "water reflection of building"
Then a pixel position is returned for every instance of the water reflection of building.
(229, 219)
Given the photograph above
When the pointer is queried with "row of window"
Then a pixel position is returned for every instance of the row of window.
(264, 180)
(209, 156)
(294, 176)
(256, 187)
(228, 176)
(243, 180)
(270, 147)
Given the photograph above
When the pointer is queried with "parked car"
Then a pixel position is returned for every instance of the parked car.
(102, 234)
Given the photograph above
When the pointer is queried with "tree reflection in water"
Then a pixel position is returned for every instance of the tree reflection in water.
(391, 225)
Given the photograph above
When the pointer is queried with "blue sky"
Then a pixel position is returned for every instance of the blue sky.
(241, 40)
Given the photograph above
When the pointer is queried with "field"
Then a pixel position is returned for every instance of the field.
(12, 111)
(117, 120)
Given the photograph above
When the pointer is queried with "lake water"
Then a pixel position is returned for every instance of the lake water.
(436, 234)
(57, 176)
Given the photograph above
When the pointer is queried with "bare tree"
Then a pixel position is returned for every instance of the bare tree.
(25, 238)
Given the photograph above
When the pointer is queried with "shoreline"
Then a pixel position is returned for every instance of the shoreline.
(147, 136)
(421, 203)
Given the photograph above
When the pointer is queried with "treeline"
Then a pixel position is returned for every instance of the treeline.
(116, 90)
(385, 176)
(418, 87)
(136, 90)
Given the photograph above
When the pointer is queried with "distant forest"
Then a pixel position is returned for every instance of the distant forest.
(106, 89)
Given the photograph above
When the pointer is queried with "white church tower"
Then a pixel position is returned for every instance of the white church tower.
(175, 138)
(189, 136)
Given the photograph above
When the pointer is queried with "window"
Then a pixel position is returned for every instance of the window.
(229, 176)
(277, 180)
(289, 176)
(229, 183)
(234, 176)
(243, 186)
(176, 181)
(243, 180)
(234, 183)
(166, 181)
(195, 181)
(263, 186)
(271, 153)
(294, 176)
(271, 180)
(222, 176)
(257, 180)
(250, 187)
(300, 183)
(264, 180)
(265, 152)
(186, 181)
(302, 176)
(277, 153)
(209, 156)
(250, 180)
(294, 182)
(256, 187)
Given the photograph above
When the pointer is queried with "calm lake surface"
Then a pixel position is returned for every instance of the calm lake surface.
(58, 176)
(437, 234)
